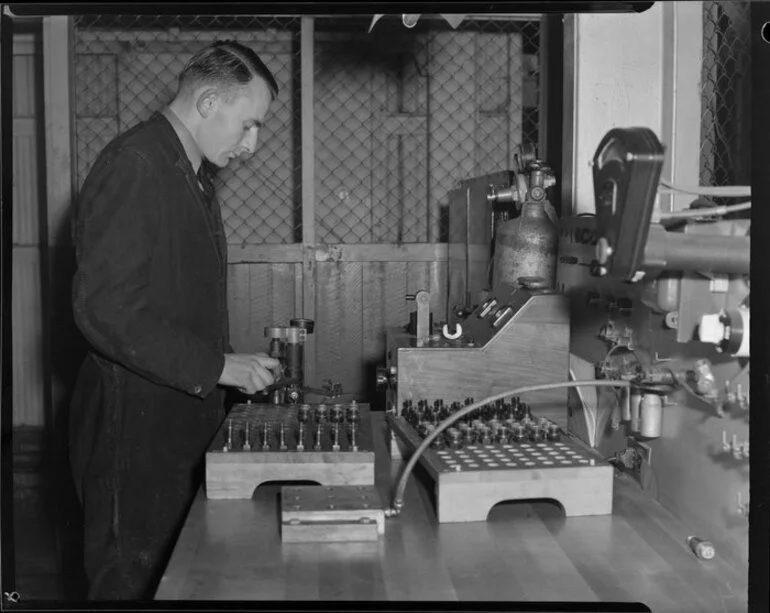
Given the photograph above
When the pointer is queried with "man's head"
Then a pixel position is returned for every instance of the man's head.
(224, 94)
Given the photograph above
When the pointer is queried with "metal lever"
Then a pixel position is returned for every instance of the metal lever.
(422, 298)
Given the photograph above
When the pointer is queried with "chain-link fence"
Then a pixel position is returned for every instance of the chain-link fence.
(126, 68)
(726, 94)
(401, 115)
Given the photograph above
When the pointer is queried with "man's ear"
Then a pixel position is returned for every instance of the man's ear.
(207, 102)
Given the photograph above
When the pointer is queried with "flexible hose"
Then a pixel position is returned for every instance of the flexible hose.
(707, 211)
(737, 191)
(398, 498)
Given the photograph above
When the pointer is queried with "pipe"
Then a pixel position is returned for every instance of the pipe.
(398, 498)
(697, 252)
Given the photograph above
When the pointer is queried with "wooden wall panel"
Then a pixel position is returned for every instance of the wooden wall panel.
(27, 338)
(355, 303)
(384, 306)
(339, 325)
(259, 295)
(28, 371)
(24, 92)
(26, 194)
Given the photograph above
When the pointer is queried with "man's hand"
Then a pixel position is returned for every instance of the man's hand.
(249, 373)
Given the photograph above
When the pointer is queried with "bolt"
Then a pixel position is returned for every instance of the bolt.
(603, 250)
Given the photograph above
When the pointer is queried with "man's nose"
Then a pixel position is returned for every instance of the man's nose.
(249, 141)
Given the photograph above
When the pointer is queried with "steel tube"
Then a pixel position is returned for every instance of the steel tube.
(701, 252)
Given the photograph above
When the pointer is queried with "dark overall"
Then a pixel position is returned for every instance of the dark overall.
(150, 297)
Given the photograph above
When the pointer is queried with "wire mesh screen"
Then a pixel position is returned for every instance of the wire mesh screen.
(126, 68)
(726, 94)
(401, 115)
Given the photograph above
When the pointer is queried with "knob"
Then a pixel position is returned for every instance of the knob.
(487, 307)
(383, 378)
(305, 324)
(501, 315)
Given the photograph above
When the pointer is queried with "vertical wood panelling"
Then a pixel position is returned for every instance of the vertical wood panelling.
(239, 290)
(260, 295)
(28, 376)
(26, 204)
(356, 302)
(384, 306)
(281, 298)
(260, 307)
(24, 94)
(339, 324)
(28, 370)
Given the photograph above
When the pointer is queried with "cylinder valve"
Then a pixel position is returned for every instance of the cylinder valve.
(728, 330)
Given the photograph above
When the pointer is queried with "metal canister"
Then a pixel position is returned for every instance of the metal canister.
(703, 549)
(651, 416)
(526, 247)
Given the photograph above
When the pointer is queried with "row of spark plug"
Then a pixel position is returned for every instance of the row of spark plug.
(493, 432)
(439, 411)
(335, 420)
(494, 423)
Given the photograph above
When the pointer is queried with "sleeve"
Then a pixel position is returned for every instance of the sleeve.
(115, 228)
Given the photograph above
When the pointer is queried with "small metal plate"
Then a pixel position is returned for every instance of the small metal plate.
(318, 498)
(331, 513)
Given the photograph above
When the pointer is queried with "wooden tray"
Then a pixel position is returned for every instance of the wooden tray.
(470, 481)
(235, 472)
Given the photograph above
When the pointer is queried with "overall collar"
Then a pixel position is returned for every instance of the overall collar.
(189, 145)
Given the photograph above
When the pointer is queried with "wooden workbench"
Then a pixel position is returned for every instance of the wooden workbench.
(231, 550)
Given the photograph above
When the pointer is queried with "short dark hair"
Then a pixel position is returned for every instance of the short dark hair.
(226, 64)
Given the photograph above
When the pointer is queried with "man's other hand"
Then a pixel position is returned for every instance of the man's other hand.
(249, 372)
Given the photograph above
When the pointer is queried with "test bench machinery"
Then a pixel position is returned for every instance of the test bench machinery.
(521, 447)
(481, 400)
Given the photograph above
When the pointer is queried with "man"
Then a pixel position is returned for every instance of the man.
(149, 296)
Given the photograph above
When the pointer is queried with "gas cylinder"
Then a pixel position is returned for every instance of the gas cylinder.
(526, 247)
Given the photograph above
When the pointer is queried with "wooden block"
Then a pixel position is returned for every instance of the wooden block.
(581, 491)
(234, 471)
(238, 477)
(331, 514)
(471, 480)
